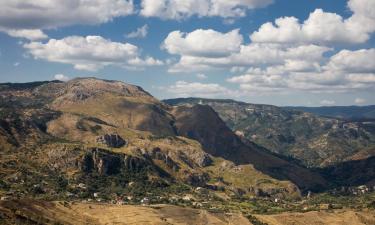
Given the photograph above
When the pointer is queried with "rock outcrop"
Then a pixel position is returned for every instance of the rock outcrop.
(111, 140)
(109, 163)
(202, 159)
(157, 154)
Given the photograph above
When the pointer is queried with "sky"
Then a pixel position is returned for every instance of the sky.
(280, 52)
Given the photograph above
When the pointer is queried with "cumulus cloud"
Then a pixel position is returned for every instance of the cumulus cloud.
(360, 61)
(360, 101)
(89, 53)
(287, 57)
(180, 9)
(196, 89)
(322, 27)
(326, 102)
(141, 32)
(27, 18)
(30, 34)
(201, 76)
(205, 43)
(61, 77)
(341, 73)
(233, 54)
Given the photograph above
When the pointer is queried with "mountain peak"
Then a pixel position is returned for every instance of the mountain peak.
(80, 89)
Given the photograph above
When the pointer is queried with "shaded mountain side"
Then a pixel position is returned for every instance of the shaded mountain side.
(313, 140)
(351, 173)
(203, 124)
(343, 112)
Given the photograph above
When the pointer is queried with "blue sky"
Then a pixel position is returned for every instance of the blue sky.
(212, 49)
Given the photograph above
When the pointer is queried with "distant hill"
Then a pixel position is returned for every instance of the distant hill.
(316, 141)
(344, 112)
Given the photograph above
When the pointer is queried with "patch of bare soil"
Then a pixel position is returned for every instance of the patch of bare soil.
(341, 217)
(38, 212)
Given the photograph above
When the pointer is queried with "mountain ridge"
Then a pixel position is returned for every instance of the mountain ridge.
(314, 140)
(60, 124)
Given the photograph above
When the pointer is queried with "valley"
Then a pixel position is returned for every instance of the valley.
(70, 150)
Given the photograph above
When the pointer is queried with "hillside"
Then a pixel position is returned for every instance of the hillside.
(91, 144)
(31, 212)
(313, 140)
(71, 140)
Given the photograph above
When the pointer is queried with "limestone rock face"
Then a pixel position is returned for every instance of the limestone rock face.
(109, 163)
(111, 140)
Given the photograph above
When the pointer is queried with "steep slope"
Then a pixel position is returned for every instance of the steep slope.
(203, 124)
(354, 172)
(315, 141)
(86, 136)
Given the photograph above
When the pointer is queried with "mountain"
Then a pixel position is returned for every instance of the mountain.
(70, 140)
(203, 124)
(70, 151)
(343, 112)
(315, 141)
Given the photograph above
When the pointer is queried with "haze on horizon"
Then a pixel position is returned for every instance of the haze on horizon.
(306, 53)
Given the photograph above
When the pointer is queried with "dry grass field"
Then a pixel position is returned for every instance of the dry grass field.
(341, 217)
(40, 212)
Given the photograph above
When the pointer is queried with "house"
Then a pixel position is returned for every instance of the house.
(145, 200)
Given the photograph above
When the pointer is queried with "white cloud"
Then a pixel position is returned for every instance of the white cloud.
(237, 69)
(205, 43)
(89, 53)
(61, 77)
(148, 61)
(16, 64)
(322, 27)
(326, 102)
(27, 18)
(342, 73)
(360, 101)
(360, 61)
(30, 34)
(196, 89)
(141, 32)
(201, 76)
(249, 55)
(361, 77)
(180, 9)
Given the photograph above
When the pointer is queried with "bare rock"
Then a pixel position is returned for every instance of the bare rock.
(202, 159)
(109, 163)
(111, 140)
